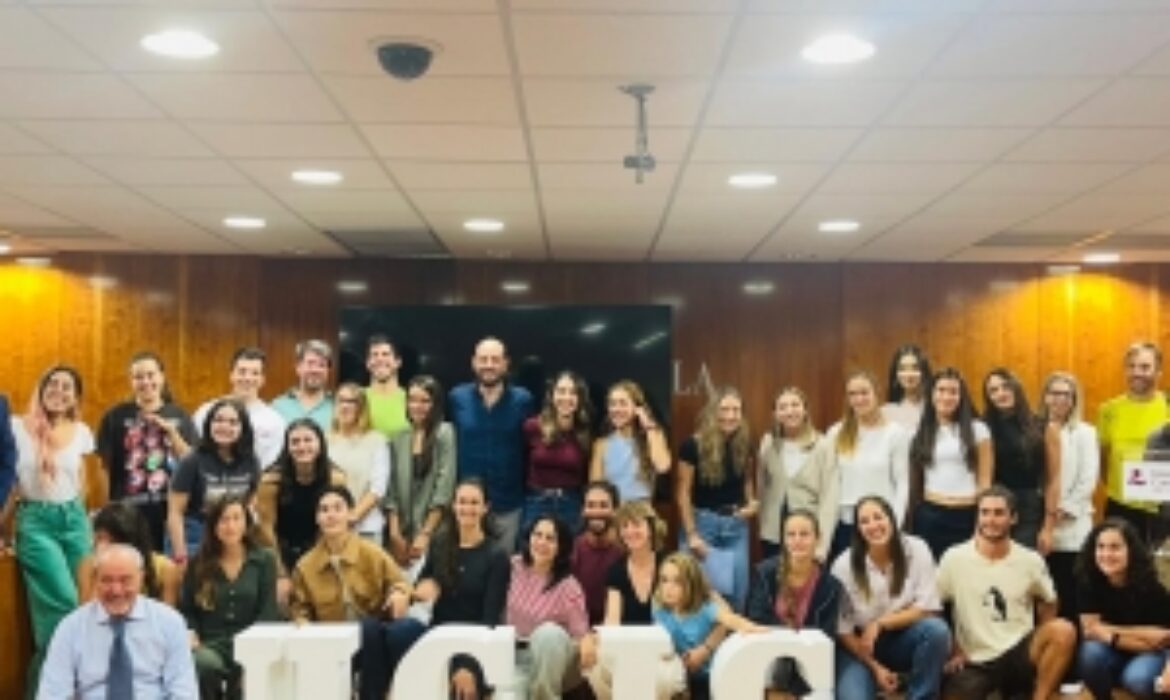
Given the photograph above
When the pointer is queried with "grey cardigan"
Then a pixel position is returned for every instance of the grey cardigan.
(412, 500)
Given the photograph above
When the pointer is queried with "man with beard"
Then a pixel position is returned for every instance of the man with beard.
(247, 378)
(597, 548)
(310, 398)
(386, 398)
(488, 415)
(1123, 425)
(1007, 636)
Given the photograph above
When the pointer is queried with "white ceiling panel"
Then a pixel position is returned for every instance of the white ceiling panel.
(461, 176)
(643, 206)
(248, 41)
(1125, 102)
(1093, 145)
(351, 220)
(15, 213)
(699, 212)
(283, 140)
(446, 6)
(147, 139)
(963, 204)
(439, 100)
(631, 6)
(1062, 6)
(1053, 45)
(1043, 178)
(475, 204)
(34, 95)
(860, 6)
(604, 145)
(277, 174)
(47, 170)
(770, 45)
(104, 207)
(1008, 254)
(763, 145)
(447, 142)
(345, 42)
(698, 249)
(1149, 179)
(630, 45)
(928, 145)
(861, 207)
(896, 178)
(313, 201)
(599, 102)
(1158, 225)
(598, 176)
(183, 4)
(991, 102)
(791, 178)
(1098, 212)
(801, 103)
(14, 142)
(167, 171)
(228, 200)
(238, 97)
(27, 41)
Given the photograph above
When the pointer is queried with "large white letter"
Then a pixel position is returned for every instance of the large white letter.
(290, 662)
(636, 653)
(742, 661)
(422, 674)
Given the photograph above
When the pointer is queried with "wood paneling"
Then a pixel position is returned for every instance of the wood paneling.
(820, 322)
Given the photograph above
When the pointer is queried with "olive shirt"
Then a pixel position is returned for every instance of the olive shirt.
(237, 604)
(416, 489)
(369, 573)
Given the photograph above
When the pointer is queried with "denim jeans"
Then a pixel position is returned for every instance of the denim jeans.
(565, 504)
(943, 527)
(729, 534)
(384, 643)
(920, 649)
(1104, 668)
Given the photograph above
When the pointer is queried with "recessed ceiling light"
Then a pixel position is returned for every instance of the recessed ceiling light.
(835, 49)
(752, 181)
(352, 286)
(838, 226)
(483, 225)
(758, 287)
(1063, 269)
(317, 177)
(34, 261)
(1101, 258)
(245, 222)
(179, 43)
(515, 286)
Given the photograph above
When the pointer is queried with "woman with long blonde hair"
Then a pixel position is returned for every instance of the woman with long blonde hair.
(716, 494)
(783, 454)
(632, 451)
(362, 453)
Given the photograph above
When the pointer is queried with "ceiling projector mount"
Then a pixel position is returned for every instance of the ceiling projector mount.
(641, 162)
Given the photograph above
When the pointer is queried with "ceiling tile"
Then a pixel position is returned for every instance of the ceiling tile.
(227, 200)
(1149, 179)
(167, 171)
(31, 95)
(567, 206)
(1158, 225)
(277, 174)
(936, 145)
(148, 139)
(461, 176)
(1093, 145)
(15, 213)
(600, 103)
(860, 207)
(46, 170)
(343, 42)
(247, 40)
(800, 104)
(602, 176)
(429, 5)
(862, 6)
(604, 145)
(447, 142)
(27, 41)
(762, 145)
(474, 204)
(314, 201)
(1098, 212)
(791, 178)
(482, 100)
(896, 178)
(990, 102)
(238, 97)
(592, 45)
(965, 204)
(1125, 102)
(1043, 178)
(14, 142)
(282, 140)
(631, 6)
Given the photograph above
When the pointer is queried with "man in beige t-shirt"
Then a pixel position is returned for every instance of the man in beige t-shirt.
(996, 587)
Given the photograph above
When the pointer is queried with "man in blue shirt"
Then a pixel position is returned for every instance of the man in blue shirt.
(122, 645)
(311, 397)
(489, 416)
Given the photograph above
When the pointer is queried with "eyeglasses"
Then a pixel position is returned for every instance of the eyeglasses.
(1060, 394)
(351, 402)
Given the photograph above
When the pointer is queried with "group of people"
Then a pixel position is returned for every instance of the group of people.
(403, 507)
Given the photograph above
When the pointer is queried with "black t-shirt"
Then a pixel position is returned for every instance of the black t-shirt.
(137, 454)
(205, 479)
(1019, 458)
(719, 496)
(479, 597)
(1125, 606)
(296, 520)
(634, 611)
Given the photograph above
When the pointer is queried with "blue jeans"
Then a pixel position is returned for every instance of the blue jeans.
(729, 534)
(943, 527)
(920, 649)
(565, 504)
(384, 643)
(1103, 668)
(192, 535)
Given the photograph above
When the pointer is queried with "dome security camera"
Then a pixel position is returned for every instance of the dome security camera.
(405, 59)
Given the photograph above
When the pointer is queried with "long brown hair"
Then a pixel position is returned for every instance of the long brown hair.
(712, 442)
(39, 426)
(207, 561)
(582, 418)
(641, 441)
(859, 549)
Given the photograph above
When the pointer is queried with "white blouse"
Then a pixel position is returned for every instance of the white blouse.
(1080, 465)
(948, 474)
(69, 461)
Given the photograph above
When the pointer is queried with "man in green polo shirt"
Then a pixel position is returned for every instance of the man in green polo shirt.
(386, 398)
(1124, 423)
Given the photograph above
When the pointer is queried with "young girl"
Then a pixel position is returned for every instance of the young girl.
(696, 621)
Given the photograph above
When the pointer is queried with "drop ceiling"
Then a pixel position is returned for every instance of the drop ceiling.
(981, 129)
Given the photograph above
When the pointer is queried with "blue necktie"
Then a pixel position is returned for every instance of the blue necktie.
(120, 682)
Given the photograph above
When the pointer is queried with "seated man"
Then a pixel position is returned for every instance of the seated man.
(997, 589)
(120, 645)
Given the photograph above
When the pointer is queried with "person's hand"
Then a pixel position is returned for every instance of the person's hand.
(397, 603)
(1044, 541)
(644, 418)
(587, 653)
(749, 511)
(193, 639)
(1162, 682)
(697, 545)
(869, 636)
(168, 426)
(426, 591)
(283, 590)
(399, 550)
(463, 685)
(419, 546)
(957, 661)
(695, 657)
(886, 680)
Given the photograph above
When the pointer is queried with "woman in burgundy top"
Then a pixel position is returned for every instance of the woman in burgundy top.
(558, 441)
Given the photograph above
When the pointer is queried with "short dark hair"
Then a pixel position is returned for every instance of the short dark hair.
(380, 339)
(608, 487)
(336, 490)
(997, 491)
(249, 352)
